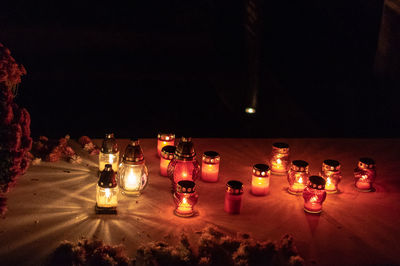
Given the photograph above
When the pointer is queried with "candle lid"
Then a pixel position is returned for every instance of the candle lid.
(185, 186)
(167, 152)
(109, 144)
(366, 163)
(331, 165)
(299, 165)
(211, 157)
(166, 136)
(234, 187)
(316, 182)
(261, 169)
(280, 147)
(133, 152)
(185, 149)
(107, 177)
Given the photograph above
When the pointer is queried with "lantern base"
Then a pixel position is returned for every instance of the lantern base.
(105, 210)
(131, 193)
(311, 211)
(332, 191)
(297, 193)
(185, 215)
(364, 190)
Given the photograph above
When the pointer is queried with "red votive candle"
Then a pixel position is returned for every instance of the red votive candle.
(365, 174)
(331, 173)
(297, 177)
(314, 194)
(167, 154)
(279, 160)
(164, 139)
(233, 197)
(210, 166)
(185, 198)
(260, 180)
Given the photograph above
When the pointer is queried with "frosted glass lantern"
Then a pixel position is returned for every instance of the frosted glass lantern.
(107, 192)
(331, 173)
(133, 173)
(109, 153)
(298, 177)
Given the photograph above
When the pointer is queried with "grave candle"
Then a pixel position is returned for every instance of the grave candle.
(233, 197)
(260, 180)
(298, 177)
(167, 154)
(210, 166)
(164, 139)
(279, 160)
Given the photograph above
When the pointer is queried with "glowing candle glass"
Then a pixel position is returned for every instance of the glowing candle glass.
(233, 197)
(210, 166)
(297, 177)
(279, 161)
(133, 173)
(107, 192)
(185, 198)
(164, 139)
(331, 173)
(365, 174)
(260, 180)
(167, 154)
(314, 194)
(184, 166)
(109, 153)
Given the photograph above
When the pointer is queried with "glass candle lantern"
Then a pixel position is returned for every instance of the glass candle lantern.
(210, 166)
(314, 194)
(133, 173)
(109, 153)
(184, 166)
(107, 191)
(279, 161)
(233, 197)
(164, 139)
(365, 174)
(185, 198)
(167, 154)
(297, 177)
(260, 180)
(331, 173)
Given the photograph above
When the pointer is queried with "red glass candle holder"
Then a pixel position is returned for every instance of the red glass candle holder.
(260, 180)
(365, 174)
(210, 166)
(314, 194)
(233, 197)
(297, 177)
(185, 198)
(184, 166)
(164, 139)
(167, 154)
(279, 161)
(331, 173)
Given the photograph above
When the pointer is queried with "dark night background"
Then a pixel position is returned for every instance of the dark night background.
(146, 66)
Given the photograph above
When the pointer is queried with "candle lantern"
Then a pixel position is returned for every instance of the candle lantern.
(107, 192)
(331, 173)
(184, 165)
(210, 166)
(279, 160)
(365, 174)
(185, 198)
(133, 173)
(164, 139)
(167, 154)
(314, 194)
(109, 153)
(260, 180)
(233, 197)
(297, 177)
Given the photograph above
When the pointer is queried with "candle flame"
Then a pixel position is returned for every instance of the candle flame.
(278, 161)
(328, 181)
(313, 199)
(107, 192)
(110, 159)
(363, 177)
(184, 201)
(300, 179)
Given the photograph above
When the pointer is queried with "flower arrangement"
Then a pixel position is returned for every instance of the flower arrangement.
(14, 126)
